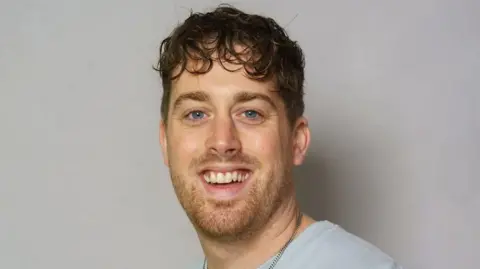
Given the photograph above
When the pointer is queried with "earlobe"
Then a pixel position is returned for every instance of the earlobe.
(163, 141)
(301, 141)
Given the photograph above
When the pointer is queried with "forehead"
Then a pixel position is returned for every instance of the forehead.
(221, 82)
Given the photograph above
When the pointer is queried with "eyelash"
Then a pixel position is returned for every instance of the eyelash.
(188, 114)
(258, 113)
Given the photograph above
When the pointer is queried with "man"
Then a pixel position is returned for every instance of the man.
(232, 129)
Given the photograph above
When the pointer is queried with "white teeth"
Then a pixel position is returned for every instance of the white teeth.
(220, 178)
(223, 178)
(212, 178)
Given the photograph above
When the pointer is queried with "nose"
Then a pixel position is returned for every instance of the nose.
(223, 140)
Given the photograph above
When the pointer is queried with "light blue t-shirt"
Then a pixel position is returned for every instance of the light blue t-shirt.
(324, 245)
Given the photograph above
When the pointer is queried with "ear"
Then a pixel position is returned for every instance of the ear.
(163, 141)
(301, 140)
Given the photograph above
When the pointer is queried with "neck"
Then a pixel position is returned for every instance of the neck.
(261, 246)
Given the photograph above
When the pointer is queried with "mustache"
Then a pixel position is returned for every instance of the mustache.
(210, 158)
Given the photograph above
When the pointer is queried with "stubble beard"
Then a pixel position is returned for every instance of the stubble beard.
(238, 219)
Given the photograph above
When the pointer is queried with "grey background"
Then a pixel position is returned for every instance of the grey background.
(392, 98)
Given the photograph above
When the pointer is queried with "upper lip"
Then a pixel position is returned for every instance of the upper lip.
(224, 168)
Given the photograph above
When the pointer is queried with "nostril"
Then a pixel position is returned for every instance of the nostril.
(224, 151)
(231, 151)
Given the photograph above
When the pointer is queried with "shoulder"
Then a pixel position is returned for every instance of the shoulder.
(329, 245)
(356, 252)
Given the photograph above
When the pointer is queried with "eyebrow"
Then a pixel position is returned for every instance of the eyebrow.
(194, 96)
(241, 97)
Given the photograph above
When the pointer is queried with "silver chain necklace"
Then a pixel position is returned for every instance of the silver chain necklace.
(282, 250)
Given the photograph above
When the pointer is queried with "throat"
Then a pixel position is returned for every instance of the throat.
(267, 248)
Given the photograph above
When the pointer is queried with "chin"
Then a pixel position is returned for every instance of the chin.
(226, 220)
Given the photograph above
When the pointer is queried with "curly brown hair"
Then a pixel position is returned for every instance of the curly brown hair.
(267, 53)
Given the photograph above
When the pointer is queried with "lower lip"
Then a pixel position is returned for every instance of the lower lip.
(224, 191)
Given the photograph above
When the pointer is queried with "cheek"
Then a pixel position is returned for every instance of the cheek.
(259, 143)
(184, 146)
(189, 144)
(263, 145)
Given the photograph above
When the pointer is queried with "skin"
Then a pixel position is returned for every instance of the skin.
(222, 120)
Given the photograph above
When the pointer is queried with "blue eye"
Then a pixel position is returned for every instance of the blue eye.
(196, 115)
(252, 114)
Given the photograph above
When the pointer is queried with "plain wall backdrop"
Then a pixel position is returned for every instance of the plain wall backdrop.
(392, 94)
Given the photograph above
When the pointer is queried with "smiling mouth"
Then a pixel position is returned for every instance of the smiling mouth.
(225, 183)
(230, 177)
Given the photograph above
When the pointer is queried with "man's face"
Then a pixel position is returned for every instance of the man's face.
(230, 150)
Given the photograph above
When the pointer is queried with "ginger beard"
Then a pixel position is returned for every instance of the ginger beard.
(235, 219)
